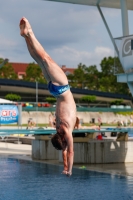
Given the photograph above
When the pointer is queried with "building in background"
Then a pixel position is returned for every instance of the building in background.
(20, 69)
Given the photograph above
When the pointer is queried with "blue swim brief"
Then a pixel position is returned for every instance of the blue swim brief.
(57, 90)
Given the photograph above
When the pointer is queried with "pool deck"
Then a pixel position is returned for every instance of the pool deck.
(23, 152)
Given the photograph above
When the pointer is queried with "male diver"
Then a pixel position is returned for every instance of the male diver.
(59, 88)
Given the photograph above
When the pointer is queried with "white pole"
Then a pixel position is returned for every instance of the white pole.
(36, 103)
(107, 27)
(20, 115)
(124, 15)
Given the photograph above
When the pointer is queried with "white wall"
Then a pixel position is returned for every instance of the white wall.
(43, 117)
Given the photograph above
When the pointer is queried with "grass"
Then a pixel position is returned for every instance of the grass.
(104, 124)
(125, 113)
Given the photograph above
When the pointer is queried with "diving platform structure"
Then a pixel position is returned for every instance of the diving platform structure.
(87, 149)
(41, 131)
(124, 45)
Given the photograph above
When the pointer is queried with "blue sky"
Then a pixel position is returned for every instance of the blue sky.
(69, 33)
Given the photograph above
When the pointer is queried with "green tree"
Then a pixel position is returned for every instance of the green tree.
(7, 71)
(88, 99)
(107, 78)
(72, 81)
(92, 70)
(13, 97)
(104, 80)
(85, 77)
(92, 77)
(79, 75)
(50, 99)
(1, 60)
(34, 73)
(117, 102)
(111, 66)
(118, 66)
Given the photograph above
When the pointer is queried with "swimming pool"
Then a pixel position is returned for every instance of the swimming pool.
(25, 180)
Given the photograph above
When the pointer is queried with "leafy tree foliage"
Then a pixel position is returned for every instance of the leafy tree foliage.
(88, 98)
(7, 71)
(78, 78)
(117, 102)
(13, 97)
(50, 99)
(85, 77)
(104, 80)
(34, 73)
(1, 60)
(108, 80)
(111, 66)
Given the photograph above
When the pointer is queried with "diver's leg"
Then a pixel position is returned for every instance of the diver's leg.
(57, 76)
(46, 75)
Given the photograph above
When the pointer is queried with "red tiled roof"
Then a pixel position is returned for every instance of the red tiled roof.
(21, 67)
(71, 70)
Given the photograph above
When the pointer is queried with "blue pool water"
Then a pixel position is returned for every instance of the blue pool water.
(130, 132)
(25, 180)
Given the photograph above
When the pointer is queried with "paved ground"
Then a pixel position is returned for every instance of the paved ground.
(15, 149)
(23, 151)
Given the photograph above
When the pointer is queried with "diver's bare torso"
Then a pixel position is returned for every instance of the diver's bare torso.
(66, 111)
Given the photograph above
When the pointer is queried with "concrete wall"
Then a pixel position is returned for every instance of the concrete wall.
(43, 117)
(95, 152)
(92, 152)
(107, 117)
(38, 117)
(23, 139)
(44, 150)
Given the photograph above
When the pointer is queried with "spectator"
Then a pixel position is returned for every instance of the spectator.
(31, 123)
(52, 120)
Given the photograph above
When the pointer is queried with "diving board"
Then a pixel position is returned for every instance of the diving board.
(103, 3)
(7, 132)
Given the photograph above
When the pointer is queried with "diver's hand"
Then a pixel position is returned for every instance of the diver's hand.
(64, 172)
(69, 174)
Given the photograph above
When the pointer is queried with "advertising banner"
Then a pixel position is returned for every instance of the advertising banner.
(8, 114)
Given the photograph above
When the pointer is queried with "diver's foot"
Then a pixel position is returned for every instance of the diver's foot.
(25, 27)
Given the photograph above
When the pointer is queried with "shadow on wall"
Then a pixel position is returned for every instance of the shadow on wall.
(103, 152)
